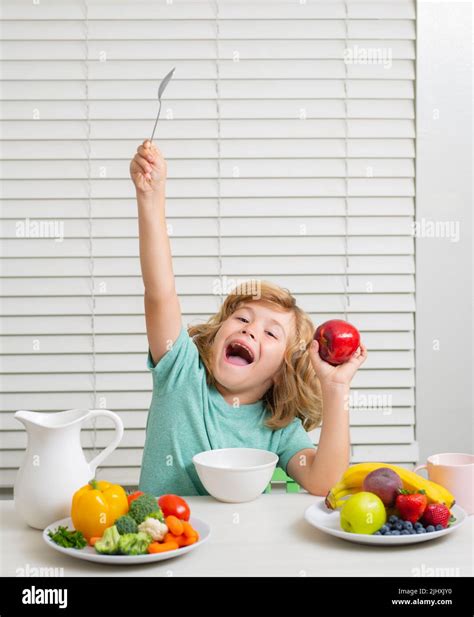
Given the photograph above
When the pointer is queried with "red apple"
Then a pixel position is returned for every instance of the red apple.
(337, 340)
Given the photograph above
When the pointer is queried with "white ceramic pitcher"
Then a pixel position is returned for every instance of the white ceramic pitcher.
(54, 466)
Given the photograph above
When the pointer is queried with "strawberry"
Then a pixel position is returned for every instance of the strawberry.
(411, 505)
(436, 514)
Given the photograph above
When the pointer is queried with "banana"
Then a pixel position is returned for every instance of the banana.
(436, 493)
(335, 500)
(353, 478)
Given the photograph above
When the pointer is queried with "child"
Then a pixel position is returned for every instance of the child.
(249, 377)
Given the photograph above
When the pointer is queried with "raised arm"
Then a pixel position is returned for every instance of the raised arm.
(162, 309)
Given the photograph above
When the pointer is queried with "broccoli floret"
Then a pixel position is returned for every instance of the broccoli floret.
(134, 543)
(143, 506)
(109, 542)
(126, 524)
(158, 515)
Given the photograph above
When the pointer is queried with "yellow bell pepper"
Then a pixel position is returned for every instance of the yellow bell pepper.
(96, 506)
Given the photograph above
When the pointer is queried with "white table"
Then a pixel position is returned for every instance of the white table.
(266, 537)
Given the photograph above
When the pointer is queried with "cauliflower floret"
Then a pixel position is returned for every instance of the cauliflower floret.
(155, 528)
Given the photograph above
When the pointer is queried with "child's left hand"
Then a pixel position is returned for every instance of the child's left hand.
(336, 375)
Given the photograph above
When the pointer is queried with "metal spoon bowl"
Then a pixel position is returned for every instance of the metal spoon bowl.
(161, 89)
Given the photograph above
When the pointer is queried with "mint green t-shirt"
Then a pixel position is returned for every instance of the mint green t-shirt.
(187, 416)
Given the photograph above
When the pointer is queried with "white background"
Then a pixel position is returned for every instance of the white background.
(444, 378)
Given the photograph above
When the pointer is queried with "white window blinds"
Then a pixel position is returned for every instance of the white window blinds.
(289, 133)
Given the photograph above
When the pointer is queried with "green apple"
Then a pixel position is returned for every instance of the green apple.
(363, 512)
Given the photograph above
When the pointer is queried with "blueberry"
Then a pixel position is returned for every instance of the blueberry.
(388, 533)
(439, 527)
(418, 526)
(393, 519)
(407, 525)
(396, 532)
(399, 526)
(421, 530)
(377, 533)
(430, 528)
(404, 532)
(412, 531)
(384, 529)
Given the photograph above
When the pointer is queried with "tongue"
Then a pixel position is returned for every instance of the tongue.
(237, 360)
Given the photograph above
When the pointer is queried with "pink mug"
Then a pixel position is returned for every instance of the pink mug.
(456, 473)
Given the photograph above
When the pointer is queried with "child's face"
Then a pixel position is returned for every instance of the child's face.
(263, 333)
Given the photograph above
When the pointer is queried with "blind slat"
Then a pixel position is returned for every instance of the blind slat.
(133, 324)
(139, 401)
(133, 285)
(403, 378)
(133, 456)
(196, 9)
(201, 50)
(133, 305)
(205, 89)
(199, 266)
(203, 149)
(205, 109)
(202, 29)
(123, 362)
(205, 69)
(135, 438)
(245, 168)
(207, 207)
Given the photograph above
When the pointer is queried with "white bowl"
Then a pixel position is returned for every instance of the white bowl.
(235, 475)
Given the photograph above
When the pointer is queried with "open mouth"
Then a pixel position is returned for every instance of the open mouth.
(239, 354)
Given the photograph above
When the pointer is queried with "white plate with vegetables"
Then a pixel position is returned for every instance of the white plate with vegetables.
(89, 553)
(109, 526)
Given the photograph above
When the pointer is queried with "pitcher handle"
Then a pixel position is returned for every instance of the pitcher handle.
(420, 467)
(95, 462)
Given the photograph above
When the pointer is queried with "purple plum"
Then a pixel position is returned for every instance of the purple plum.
(384, 482)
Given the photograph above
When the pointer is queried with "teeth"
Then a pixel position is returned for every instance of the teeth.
(233, 345)
(243, 347)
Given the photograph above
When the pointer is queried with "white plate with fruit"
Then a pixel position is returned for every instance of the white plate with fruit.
(378, 503)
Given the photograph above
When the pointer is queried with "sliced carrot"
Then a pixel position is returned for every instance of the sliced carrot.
(93, 540)
(180, 540)
(174, 524)
(161, 547)
(189, 530)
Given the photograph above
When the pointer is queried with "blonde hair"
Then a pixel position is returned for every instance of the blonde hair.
(296, 391)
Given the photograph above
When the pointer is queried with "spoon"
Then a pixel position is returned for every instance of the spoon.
(161, 89)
